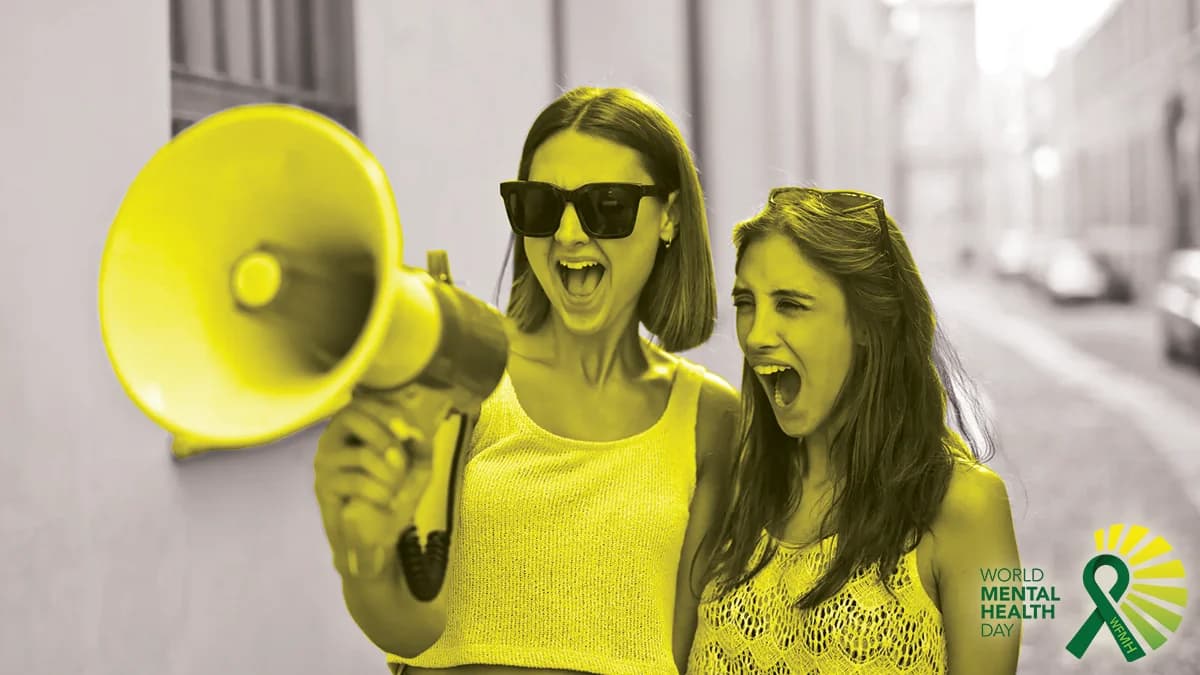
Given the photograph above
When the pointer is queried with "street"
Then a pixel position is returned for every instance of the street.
(1095, 429)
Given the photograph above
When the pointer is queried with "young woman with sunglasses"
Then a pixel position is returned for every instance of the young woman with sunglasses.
(576, 490)
(858, 522)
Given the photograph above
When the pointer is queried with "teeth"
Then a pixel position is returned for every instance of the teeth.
(582, 265)
(770, 370)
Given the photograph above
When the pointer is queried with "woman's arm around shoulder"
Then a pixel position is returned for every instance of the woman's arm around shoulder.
(716, 447)
(974, 532)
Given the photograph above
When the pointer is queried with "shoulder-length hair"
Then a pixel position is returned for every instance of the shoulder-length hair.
(895, 453)
(678, 305)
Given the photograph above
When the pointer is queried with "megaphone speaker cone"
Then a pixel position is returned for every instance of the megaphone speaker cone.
(240, 290)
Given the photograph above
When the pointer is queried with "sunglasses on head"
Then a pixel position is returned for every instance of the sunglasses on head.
(605, 210)
(841, 201)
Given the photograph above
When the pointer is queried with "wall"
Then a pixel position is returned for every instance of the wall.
(446, 95)
(119, 560)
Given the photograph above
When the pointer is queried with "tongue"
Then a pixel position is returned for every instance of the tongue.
(584, 281)
(787, 386)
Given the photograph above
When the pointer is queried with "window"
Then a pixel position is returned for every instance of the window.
(1119, 198)
(1138, 172)
(178, 46)
(225, 54)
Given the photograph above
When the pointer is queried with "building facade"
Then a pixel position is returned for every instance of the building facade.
(1121, 110)
(940, 160)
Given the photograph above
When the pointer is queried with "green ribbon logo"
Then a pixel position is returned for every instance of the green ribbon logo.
(1105, 613)
(1146, 603)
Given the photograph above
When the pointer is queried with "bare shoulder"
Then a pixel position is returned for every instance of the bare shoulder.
(976, 496)
(716, 421)
(718, 397)
(974, 527)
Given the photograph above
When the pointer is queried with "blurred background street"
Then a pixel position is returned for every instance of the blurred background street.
(1042, 157)
(1093, 433)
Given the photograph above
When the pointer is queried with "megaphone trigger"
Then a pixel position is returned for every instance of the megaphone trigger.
(438, 264)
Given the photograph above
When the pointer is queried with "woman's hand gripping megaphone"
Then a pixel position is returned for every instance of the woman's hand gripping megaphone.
(387, 465)
(374, 466)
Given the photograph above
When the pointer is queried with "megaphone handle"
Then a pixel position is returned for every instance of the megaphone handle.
(425, 568)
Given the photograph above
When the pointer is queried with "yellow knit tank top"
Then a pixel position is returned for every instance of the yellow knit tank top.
(861, 629)
(565, 552)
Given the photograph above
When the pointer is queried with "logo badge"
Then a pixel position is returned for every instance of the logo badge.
(1143, 606)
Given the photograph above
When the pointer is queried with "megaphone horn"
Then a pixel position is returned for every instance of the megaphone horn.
(252, 279)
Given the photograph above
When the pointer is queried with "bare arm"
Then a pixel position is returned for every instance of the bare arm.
(974, 531)
(390, 616)
(716, 443)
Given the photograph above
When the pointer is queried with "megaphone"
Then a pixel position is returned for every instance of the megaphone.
(252, 280)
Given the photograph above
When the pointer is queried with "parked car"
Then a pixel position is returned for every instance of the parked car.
(1177, 302)
(1010, 257)
(1068, 271)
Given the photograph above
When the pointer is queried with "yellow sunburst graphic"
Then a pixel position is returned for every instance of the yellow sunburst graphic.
(1155, 597)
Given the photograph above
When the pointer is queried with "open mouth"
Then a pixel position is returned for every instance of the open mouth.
(782, 382)
(580, 278)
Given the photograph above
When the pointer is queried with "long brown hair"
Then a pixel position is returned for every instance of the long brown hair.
(679, 302)
(895, 453)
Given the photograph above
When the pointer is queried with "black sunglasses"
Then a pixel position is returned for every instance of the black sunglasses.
(841, 201)
(605, 210)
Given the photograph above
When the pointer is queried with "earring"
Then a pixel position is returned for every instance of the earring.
(669, 241)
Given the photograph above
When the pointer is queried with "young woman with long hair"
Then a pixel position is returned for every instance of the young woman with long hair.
(859, 515)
